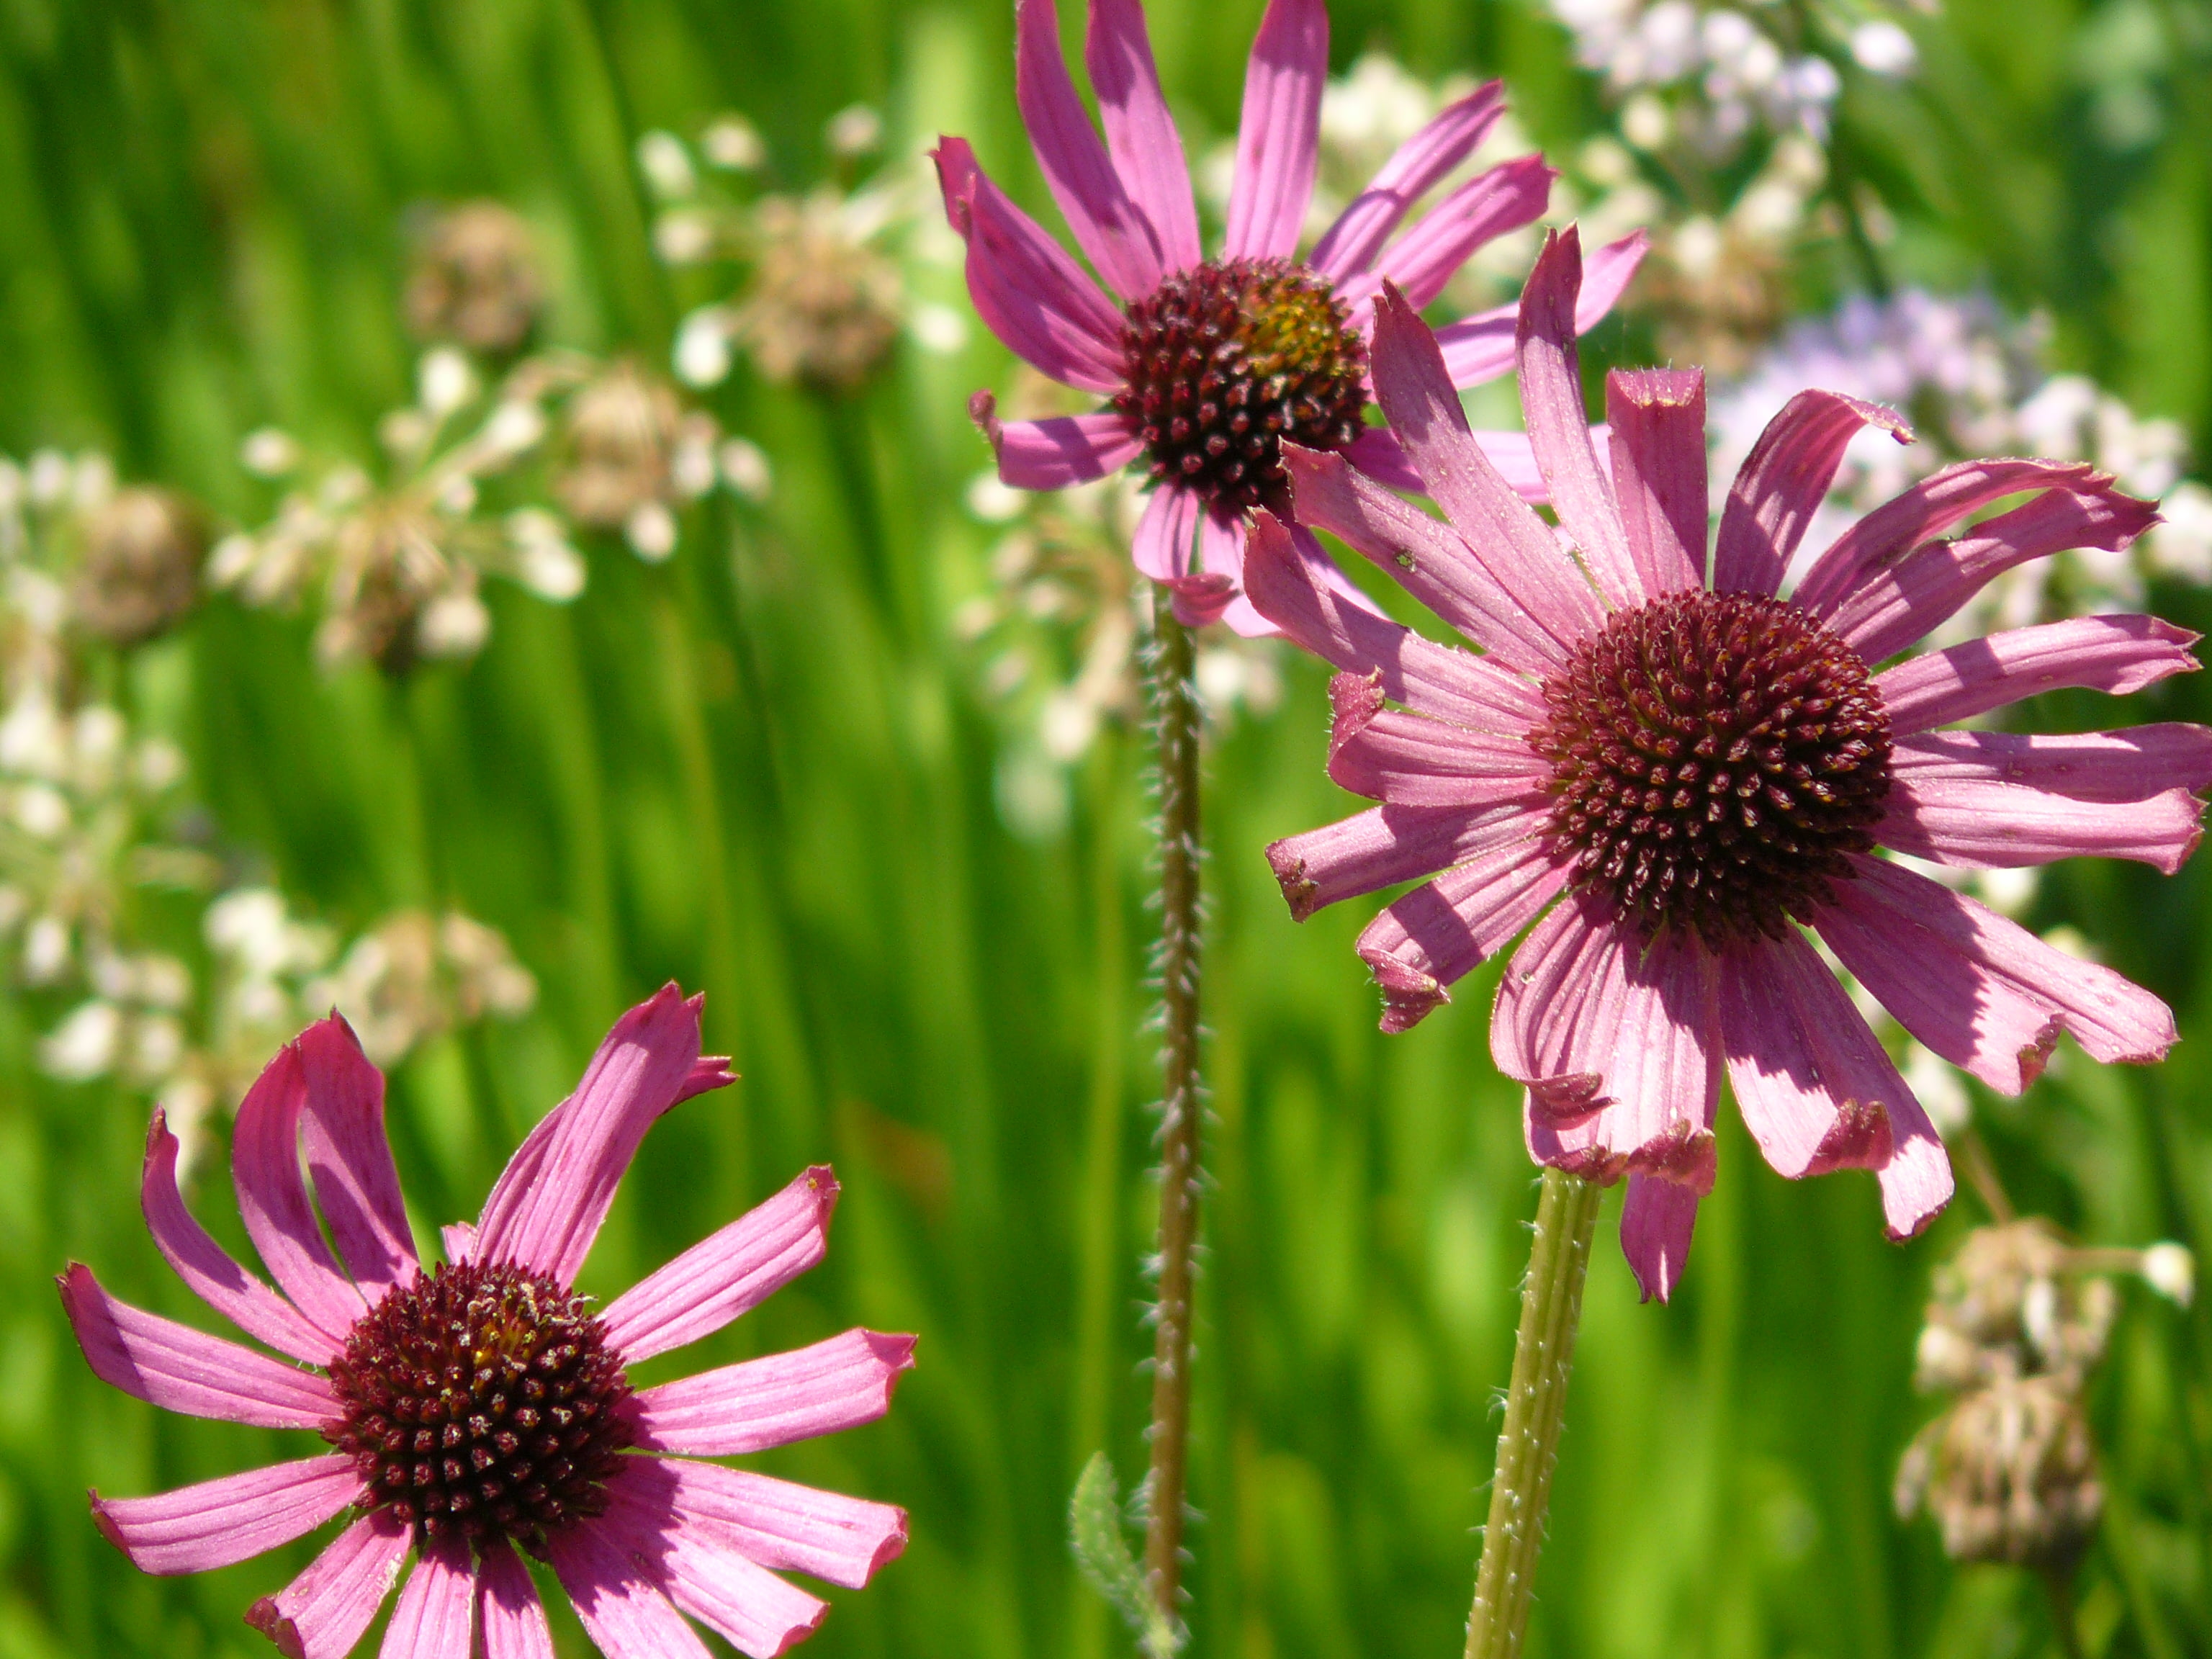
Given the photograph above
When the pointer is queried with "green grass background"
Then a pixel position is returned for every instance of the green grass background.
(763, 769)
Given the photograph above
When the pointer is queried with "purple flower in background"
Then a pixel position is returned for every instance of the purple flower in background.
(1210, 365)
(1698, 770)
(478, 1405)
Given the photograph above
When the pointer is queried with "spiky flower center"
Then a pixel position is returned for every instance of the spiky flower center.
(1714, 757)
(482, 1400)
(1224, 362)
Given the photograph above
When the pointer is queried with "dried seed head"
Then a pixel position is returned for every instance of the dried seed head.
(823, 305)
(2014, 1302)
(476, 280)
(387, 568)
(141, 570)
(622, 433)
(2010, 1474)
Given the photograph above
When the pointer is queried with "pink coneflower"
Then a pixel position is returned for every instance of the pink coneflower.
(1699, 770)
(480, 1405)
(1209, 365)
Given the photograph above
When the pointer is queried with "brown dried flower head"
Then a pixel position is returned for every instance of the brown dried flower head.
(2009, 1475)
(2018, 1300)
(823, 305)
(386, 568)
(622, 433)
(477, 280)
(140, 574)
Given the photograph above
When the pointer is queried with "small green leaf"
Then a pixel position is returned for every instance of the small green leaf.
(1094, 1528)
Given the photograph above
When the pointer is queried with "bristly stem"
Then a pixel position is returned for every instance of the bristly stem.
(1536, 1409)
(1176, 720)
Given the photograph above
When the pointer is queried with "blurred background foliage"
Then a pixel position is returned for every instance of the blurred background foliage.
(770, 766)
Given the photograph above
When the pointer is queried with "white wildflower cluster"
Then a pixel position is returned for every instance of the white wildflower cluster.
(825, 295)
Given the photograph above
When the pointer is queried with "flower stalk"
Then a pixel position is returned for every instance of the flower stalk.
(1176, 719)
(1536, 1410)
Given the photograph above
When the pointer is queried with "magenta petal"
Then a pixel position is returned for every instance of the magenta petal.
(436, 1609)
(623, 1606)
(272, 1198)
(219, 1524)
(1202, 598)
(1378, 453)
(1026, 290)
(1432, 250)
(2118, 654)
(508, 1613)
(1418, 947)
(1781, 485)
(1068, 449)
(737, 1268)
(789, 1527)
(759, 1403)
(1431, 678)
(1982, 992)
(1167, 534)
(1108, 225)
(1221, 545)
(1412, 760)
(547, 1222)
(1657, 1220)
(1386, 845)
(182, 1369)
(2133, 764)
(1996, 800)
(205, 1266)
(1480, 348)
(1416, 167)
(322, 1613)
(1279, 142)
(1658, 421)
(349, 1158)
(1140, 134)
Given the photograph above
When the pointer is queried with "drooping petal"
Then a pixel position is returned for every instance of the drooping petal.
(435, 1616)
(548, 1222)
(1430, 254)
(1412, 760)
(2132, 764)
(350, 1159)
(1167, 534)
(1817, 1092)
(622, 1604)
(508, 1613)
(219, 1524)
(1480, 348)
(1416, 167)
(1068, 449)
(1418, 947)
(784, 1526)
(1982, 992)
(272, 1198)
(1107, 226)
(1428, 678)
(2118, 654)
(1025, 287)
(1386, 845)
(758, 1403)
(1378, 453)
(182, 1369)
(1278, 139)
(1782, 484)
(322, 1613)
(1658, 421)
(1657, 1220)
(208, 1269)
(1140, 134)
(1221, 545)
(721, 1277)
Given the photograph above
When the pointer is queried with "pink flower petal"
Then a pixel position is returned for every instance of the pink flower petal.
(737, 1268)
(623, 1606)
(1026, 290)
(1140, 134)
(1201, 598)
(1107, 226)
(182, 1369)
(780, 1525)
(219, 1524)
(1429, 678)
(1386, 845)
(1614, 1038)
(1431, 252)
(350, 1159)
(1412, 760)
(460, 1239)
(1657, 1220)
(1982, 992)
(547, 1222)
(837, 1384)
(1480, 348)
(1429, 939)
(1221, 545)
(436, 1610)
(1167, 534)
(702, 1566)
(204, 1265)
(1378, 453)
(2133, 764)
(1417, 166)
(1068, 449)
(1816, 1090)
(1781, 484)
(322, 1613)
(1279, 142)
(1552, 407)
(1658, 421)
(272, 1198)
(508, 1613)
(2118, 654)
